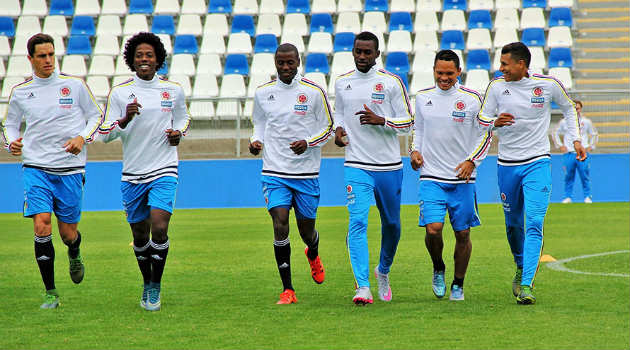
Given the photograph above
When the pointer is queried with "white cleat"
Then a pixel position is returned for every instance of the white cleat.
(384, 290)
(363, 296)
(567, 200)
(588, 200)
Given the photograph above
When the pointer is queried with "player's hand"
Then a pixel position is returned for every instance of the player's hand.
(74, 145)
(465, 169)
(16, 147)
(417, 161)
(340, 133)
(368, 117)
(564, 149)
(132, 109)
(298, 147)
(580, 152)
(255, 147)
(174, 136)
(589, 149)
(505, 119)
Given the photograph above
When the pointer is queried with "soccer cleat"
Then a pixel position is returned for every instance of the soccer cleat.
(516, 282)
(287, 297)
(51, 299)
(77, 269)
(384, 290)
(363, 296)
(317, 269)
(457, 293)
(145, 295)
(588, 200)
(566, 200)
(439, 287)
(526, 296)
(154, 302)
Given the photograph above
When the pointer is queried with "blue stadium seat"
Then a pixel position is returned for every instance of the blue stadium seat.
(164, 69)
(83, 25)
(480, 19)
(316, 62)
(163, 24)
(61, 8)
(453, 40)
(236, 64)
(141, 6)
(400, 21)
(455, 5)
(497, 73)
(534, 3)
(79, 45)
(186, 43)
(560, 57)
(266, 43)
(321, 22)
(404, 79)
(397, 62)
(298, 6)
(376, 5)
(7, 27)
(220, 6)
(344, 41)
(478, 59)
(243, 24)
(533, 37)
(560, 16)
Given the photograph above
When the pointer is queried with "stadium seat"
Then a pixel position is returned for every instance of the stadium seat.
(79, 45)
(496, 60)
(163, 24)
(478, 59)
(266, 43)
(506, 18)
(216, 23)
(166, 41)
(34, 8)
(295, 23)
(453, 20)
(320, 42)
(399, 40)
(163, 71)
(185, 44)
(348, 22)
(426, 20)
(534, 3)
(87, 8)
(255, 80)
(381, 43)
(400, 21)
(141, 6)
(74, 65)
(374, 22)
(504, 36)
(61, 8)
(113, 7)
(8, 83)
(134, 24)
(232, 85)
(60, 47)
(321, 22)
(5, 48)
(219, 6)
(478, 38)
(561, 3)
(201, 110)
(99, 85)
(298, 6)
(405, 79)
(269, 24)
(421, 80)
(183, 81)
(245, 7)
(560, 16)
(343, 42)
(316, 62)
(349, 6)
(507, 4)
(56, 25)
(538, 61)
(560, 57)
(480, 19)
(239, 43)
(293, 38)
(474, 5)
(425, 40)
(212, 43)
(376, 5)
(423, 62)
(533, 37)
(108, 25)
(318, 78)
(205, 86)
(197, 7)
(402, 6)
(397, 62)
(7, 28)
(323, 6)
(10, 8)
(167, 7)
(263, 63)
(209, 64)
(102, 65)
(452, 39)
(19, 46)
(243, 24)
(189, 24)
(27, 26)
(18, 66)
(497, 74)
(559, 37)
(271, 7)
(455, 5)
(342, 62)
(119, 79)
(532, 17)
(429, 5)
(236, 64)
(477, 79)
(564, 75)
(183, 64)
(82, 25)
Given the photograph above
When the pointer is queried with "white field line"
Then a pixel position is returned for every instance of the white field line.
(558, 265)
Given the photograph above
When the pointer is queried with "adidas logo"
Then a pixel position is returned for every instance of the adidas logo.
(283, 266)
(506, 92)
(271, 98)
(132, 96)
(141, 258)
(348, 87)
(31, 95)
(429, 103)
(156, 257)
(43, 258)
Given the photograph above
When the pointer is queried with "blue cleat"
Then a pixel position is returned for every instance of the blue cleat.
(439, 287)
(154, 302)
(145, 295)
(457, 293)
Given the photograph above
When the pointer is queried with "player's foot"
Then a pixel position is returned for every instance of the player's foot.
(77, 269)
(384, 290)
(526, 296)
(317, 269)
(154, 302)
(588, 200)
(516, 282)
(457, 293)
(363, 296)
(566, 200)
(287, 297)
(145, 295)
(51, 299)
(439, 287)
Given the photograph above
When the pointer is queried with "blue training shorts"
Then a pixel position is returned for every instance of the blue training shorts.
(459, 199)
(47, 193)
(301, 194)
(139, 199)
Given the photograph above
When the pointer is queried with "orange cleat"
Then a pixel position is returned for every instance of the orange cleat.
(287, 297)
(317, 269)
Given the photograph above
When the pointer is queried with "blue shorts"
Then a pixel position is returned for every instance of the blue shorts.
(301, 194)
(139, 199)
(46, 193)
(459, 199)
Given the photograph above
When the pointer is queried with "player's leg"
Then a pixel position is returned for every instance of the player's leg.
(432, 209)
(569, 164)
(68, 201)
(509, 178)
(584, 169)
(305, 202)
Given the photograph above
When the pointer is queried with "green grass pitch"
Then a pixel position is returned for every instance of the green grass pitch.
(221, 284)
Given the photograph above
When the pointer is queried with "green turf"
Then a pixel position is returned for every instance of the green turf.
(221, 284)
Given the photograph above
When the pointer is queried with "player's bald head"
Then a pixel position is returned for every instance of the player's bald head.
(286, 48)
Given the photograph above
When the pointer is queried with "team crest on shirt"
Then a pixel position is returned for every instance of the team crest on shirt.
(64, 100)
(378, 96)
(459, 114)
(538, 98)
(301, 99)
(64, 91)
(301, 107)
(379, 87)
(166, 103)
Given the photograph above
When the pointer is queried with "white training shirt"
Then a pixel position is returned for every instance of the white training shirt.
(55, 110)
(286, 113)
(588, 134)
(529, 101)
(372, 147)
(446, 130)
(147, 154)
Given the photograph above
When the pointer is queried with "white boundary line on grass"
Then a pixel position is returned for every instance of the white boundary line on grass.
(558, 265)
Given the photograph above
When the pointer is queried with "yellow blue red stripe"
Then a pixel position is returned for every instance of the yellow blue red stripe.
(90, 137)
(480, 116)
(402, 123)
(106, 128)
(483, 146)
(328, 131)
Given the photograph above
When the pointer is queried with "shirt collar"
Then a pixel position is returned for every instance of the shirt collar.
(48, 80)
(367, 74)
(147, 83)
(296, 78)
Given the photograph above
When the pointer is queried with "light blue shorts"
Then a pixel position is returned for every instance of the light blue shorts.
(301, 194)
(459, 199)
(47, 193)
(139, 199)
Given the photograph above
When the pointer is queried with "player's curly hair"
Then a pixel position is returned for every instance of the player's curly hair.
(144, 38)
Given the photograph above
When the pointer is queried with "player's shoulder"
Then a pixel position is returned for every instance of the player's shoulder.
(390, 77)
(312, 86)
(266, 86)
(470, 93)
(546, 79)
(344, 76)
(23, 85)
(163, 81)
(426, 91)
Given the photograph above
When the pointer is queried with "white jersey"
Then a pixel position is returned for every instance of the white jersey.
(147, 154)
(55, 110)
(529, 101)
(588, 134)
(446, 131)
(372, 147)
(286, 113)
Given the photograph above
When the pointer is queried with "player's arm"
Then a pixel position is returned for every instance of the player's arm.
(594, 135)
(181, 120)
(259, 122)
(339, 126)
(11, 127)
(482, 143)
(323, 121)
(417, 136)
(567, 107)
(560, 130)
(110, 130)
(487, 116)
(93, 117)
(402, 120)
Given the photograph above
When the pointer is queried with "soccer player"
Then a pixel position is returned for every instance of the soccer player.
(445, 131)
(588, 134)
(61, 116)
(149, 114)
(371, 110)
(292, 120)
(522, 102)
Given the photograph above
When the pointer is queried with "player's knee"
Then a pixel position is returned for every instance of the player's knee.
(357, 225)
(391, 228)
(42, 226)
(462, 237)
(434, 229)
(159, 232)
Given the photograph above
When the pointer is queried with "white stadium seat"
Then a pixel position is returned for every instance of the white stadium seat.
(269, 24)
(318, 78)
(453, 20)
(432, 5)
(323, 6)
(559, 37)
(205, 86)
(182, 80)
(166, 41)
(212, 43)
(477, 79)
(209, 64)
(34, 8)
(55, 25)
(481, 5)
(216, 23)
(271, 7)
(538, 61)
(348, 22)
(478, 38)
(504, 36)
(255, 80)
(194, 7)
(506, 18)
(293, 38)
(19, 45)
(561, 3)
(507, 4)
(399, 40)
(295, 23)
(19, 66)
(113, 7)
(423, 62)
(233, 85)
(239, 43)
(60, 47)
(245, 7)
(166, 7)
(320, 42)
(421, 80)
(119, 79)
(263, 63)
(5, 47)
(349, 6)
(201, 110)
(189, 24)
(102, 65)
(121, 67)
(99, 85)
(10, 8)
(182, 64)
(134, 24)
(402, 6)
(374, 21)
(27, 26)
(533, 17)
(342, 62)
(106, 45)
(426, 20)
(87, 8)
(426, 40)
(8, 83)
(564, 75)
(108, 25)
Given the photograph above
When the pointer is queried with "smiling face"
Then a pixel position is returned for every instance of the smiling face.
(43, 60)
(513, 70)
(365, 54)
(287, 63)
(145, 61)
(445, 74)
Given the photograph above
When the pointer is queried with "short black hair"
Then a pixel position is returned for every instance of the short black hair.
(518, 51)
(144, 38)
(578, 102)
(39, 38)
(447, 55)
(367, 36)
(287, 47)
